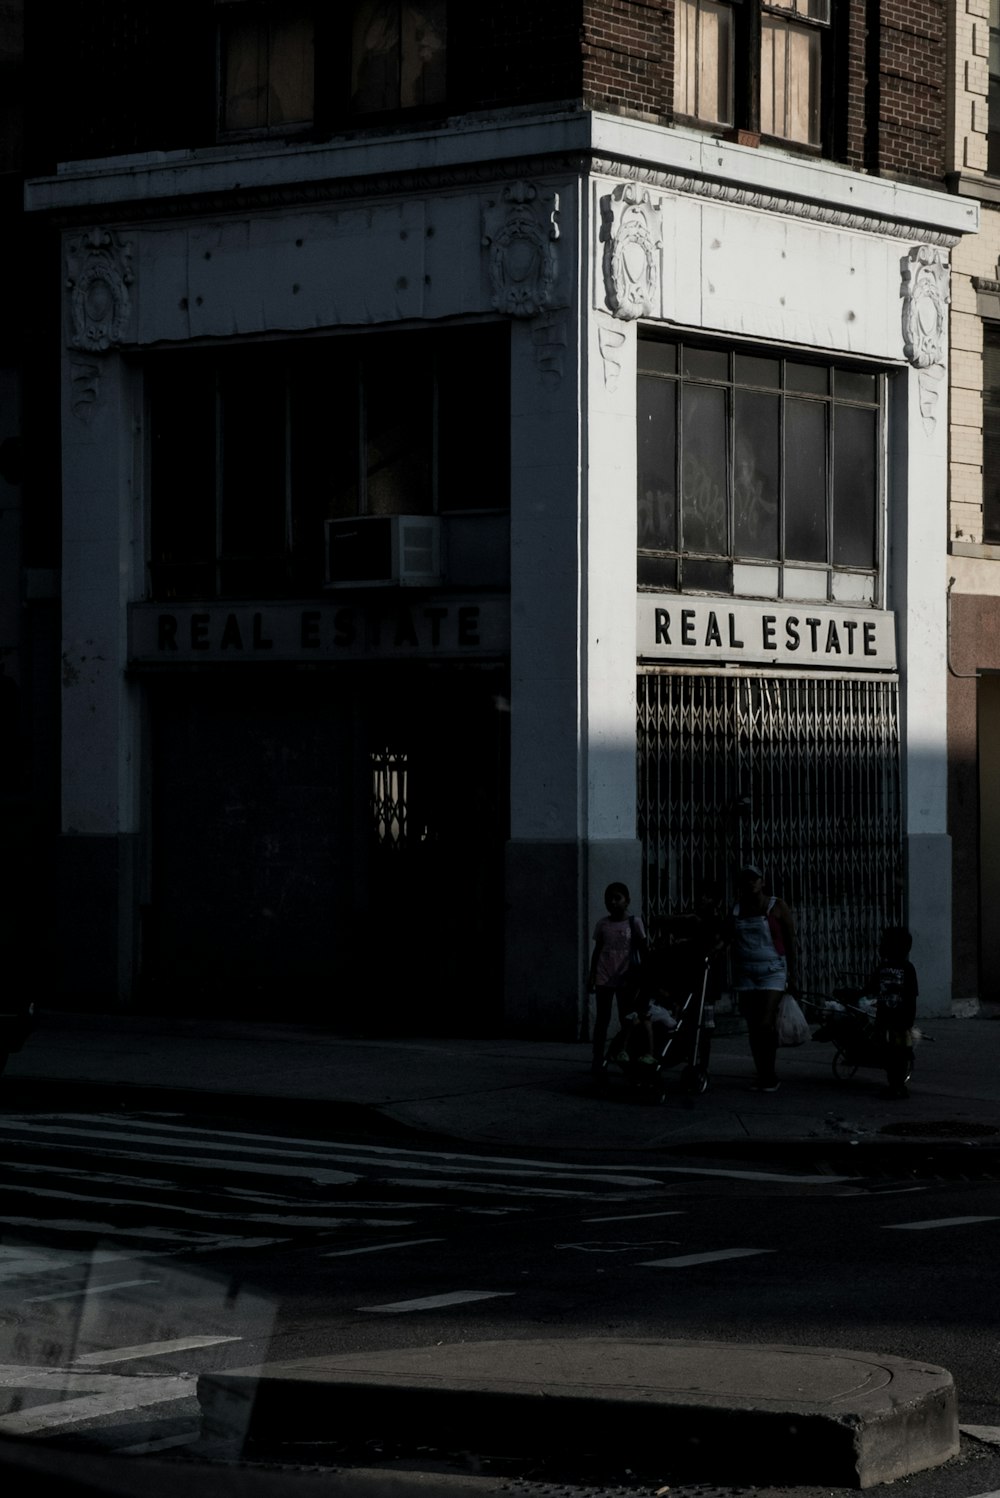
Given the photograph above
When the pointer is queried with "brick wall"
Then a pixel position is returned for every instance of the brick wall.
(912, 88)
(627, 50)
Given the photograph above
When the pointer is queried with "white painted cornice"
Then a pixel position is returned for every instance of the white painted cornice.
(266, 175)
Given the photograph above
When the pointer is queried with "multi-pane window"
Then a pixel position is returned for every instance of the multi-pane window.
(283, 67)
(991, 433)
(756, 65)
(758, 474)
(252, 450)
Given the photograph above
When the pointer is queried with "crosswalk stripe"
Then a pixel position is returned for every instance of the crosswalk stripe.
(938, 1222)
(149, 1350)
(433, 1302)
(88, 1290)
(682, 1261)
(377, 1248)
(272, 1219)
(445, 1161)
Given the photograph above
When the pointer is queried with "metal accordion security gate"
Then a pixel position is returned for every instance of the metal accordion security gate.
(798, 774)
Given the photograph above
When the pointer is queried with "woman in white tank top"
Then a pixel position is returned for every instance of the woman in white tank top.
(762, 943)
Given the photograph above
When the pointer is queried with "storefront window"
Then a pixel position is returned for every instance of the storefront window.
(757, 475)
(251, 451)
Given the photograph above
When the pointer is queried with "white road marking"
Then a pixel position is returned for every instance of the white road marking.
(213, 1162)
(185, 1242)
(88, 1291)
(377, 1248)
(683, 1260)
(149, 1350)
(496, 1188)
(755, 1175)
(271, 1219)
(26, 1263)
(416, 1160)
(938, 1222)
(595, 1246)
(360, 1151)
(432, 1302)
(632, 1216)
(116, 1395)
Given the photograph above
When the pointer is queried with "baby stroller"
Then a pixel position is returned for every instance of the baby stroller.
(689, 1045)
(681, 1037)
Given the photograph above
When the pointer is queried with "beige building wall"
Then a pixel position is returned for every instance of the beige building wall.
(972, 568)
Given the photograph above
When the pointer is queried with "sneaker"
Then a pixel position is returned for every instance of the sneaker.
(620, 1058)
(764, 1086)
(647, 1060)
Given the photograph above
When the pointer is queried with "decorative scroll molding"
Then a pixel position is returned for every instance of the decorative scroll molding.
(99, 274)
(610, 341)
(550, 337)
(924, 290)
(85, 381)
(520, 231)
(632, 237)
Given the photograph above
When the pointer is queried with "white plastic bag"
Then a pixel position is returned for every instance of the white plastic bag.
(793, 1027)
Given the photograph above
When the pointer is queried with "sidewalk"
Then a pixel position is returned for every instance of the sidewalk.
(869, 1418)
(519, 1094)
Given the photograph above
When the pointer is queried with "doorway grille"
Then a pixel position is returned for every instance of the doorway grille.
(799, 774)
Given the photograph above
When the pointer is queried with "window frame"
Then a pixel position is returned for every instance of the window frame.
(326, 463)
(745, 563)
(747, 74)
(264, 9)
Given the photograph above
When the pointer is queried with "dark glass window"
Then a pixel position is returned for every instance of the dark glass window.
(397, 54)
(750, 459)
(251, 450)
(285, 67)
(991, 433)
(267, 67)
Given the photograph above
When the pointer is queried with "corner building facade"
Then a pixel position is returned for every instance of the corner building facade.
(491, 468)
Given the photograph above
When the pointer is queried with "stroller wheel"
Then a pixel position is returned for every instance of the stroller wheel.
(695, 1080)
(844, 1066)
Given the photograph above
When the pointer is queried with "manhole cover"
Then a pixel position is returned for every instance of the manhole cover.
(948, 1128)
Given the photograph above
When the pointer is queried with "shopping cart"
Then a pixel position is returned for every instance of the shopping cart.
(846, 1018)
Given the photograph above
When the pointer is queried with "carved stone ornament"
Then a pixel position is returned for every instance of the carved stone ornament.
(924, 289)
(520, 232)
(631, 231)
(99, 274)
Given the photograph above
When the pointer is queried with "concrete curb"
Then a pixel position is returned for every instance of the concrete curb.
(722, 1411)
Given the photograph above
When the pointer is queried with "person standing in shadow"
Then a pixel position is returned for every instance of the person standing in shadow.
(762, 945)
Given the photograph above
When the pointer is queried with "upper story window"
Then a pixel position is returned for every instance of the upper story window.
(267, 66)
(283, 67)
(758, 474)
(757, 66)
(397, 55)
(252, 449)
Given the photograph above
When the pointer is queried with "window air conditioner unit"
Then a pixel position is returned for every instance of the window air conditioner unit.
(377, 551)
